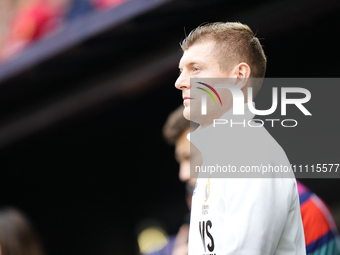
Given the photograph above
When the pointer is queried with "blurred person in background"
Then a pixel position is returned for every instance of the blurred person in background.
(32, 19)
(174, 131)
(25, 21)
(321, 234)
(7, 8)
(17, 237)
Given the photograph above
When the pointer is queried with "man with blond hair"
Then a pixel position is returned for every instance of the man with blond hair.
(243, 216)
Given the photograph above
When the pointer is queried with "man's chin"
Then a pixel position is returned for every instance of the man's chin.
(186, 113)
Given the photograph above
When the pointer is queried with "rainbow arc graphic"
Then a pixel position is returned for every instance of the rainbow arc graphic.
(212, 89)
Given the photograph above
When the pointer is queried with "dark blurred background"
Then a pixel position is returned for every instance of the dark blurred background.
(85, 88)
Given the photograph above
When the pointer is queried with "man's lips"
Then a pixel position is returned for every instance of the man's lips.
(187, 98)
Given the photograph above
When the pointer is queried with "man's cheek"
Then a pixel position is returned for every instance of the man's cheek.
(225, 95)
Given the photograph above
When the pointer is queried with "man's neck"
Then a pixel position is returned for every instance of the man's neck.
(210, 121)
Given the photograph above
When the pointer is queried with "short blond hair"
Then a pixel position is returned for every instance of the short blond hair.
(235, 43)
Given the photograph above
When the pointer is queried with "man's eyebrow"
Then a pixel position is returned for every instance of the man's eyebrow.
(194, 62)
(191, 63)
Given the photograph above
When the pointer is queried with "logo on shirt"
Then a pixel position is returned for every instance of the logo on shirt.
(207, 190)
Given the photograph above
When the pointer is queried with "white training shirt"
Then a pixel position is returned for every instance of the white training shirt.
(243, 216)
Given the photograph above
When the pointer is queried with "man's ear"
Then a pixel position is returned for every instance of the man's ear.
(241, 73)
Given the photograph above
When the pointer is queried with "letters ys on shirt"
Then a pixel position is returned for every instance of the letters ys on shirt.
(204, 228)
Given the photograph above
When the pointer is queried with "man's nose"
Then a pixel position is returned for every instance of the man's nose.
(182, 82)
